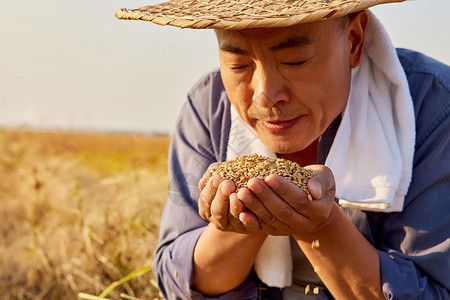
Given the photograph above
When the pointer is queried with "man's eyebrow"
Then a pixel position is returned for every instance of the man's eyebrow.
(232, 49)
(292, 42)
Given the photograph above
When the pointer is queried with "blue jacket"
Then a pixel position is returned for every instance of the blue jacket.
(413, 245)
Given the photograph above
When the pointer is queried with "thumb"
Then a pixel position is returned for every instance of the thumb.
(322, 183)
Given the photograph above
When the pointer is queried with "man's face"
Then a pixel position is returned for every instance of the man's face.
(289, 83)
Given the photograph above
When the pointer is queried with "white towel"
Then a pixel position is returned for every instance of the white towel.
(371, 156)
(372, 153)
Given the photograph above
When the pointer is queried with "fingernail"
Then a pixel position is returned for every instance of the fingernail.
(226, 190)
(216, 180)
(201, 184)
(317, 187)
(256, 187)
(273, 182)
(241, 218)
(241, 195)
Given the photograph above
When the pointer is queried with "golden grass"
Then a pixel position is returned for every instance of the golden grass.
(79, 212)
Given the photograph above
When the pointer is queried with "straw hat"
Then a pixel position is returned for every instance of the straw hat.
(239, 14)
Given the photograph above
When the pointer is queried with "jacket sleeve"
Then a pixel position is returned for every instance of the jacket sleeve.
(198, 140)
(414, 245)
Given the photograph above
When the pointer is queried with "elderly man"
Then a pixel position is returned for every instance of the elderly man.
(318, 83)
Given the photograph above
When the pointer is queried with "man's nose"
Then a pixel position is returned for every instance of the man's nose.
(268, 88)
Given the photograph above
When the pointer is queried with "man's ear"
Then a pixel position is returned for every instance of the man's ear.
(355, 33)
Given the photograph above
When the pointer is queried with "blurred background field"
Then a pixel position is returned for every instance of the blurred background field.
(79, 211)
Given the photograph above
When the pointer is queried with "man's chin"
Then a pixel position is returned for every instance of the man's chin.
(281, 143)
(281, 147)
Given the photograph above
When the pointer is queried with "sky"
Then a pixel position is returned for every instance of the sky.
(71, 65)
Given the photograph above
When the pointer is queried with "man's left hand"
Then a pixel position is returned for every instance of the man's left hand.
(282, 208)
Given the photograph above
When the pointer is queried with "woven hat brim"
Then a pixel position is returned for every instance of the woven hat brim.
(240, 14)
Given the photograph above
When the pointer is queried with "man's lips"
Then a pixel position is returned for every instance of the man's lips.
(277, 126)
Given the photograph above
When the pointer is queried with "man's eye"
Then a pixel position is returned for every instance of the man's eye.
(239, 67)
(296, 63)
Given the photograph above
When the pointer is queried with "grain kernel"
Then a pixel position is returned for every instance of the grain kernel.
(315, 244)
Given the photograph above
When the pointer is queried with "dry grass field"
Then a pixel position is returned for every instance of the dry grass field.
(79, 211)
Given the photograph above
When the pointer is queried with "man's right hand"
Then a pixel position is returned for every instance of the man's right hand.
(226, 250)
(218, 204)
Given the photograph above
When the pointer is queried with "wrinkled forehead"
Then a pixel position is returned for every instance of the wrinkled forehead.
(301, 33)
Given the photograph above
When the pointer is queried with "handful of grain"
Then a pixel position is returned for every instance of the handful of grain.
(242, 168)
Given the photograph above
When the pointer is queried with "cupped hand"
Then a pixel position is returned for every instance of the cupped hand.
(218, 204)
(282, 208)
